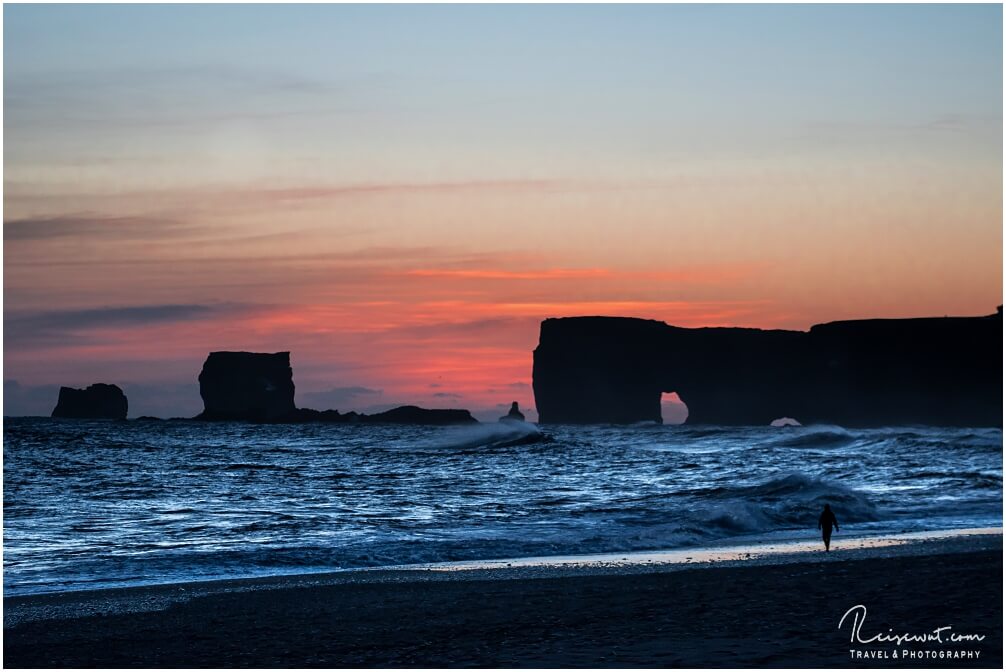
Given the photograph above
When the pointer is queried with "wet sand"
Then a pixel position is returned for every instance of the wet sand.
(779, 607)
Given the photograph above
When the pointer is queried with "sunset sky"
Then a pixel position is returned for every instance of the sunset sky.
(399, 194)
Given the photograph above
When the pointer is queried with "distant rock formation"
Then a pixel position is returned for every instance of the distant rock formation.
(249, 386)
(413, 415)
(311, 415)
(258, 387)
(402, 415)
(98, 401)
(514, 415)
(860, 373)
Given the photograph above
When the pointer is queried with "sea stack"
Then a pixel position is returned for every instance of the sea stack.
(514, 415)
(96, 402)
(250, 386)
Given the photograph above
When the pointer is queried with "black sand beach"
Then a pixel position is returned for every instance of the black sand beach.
(777, 612)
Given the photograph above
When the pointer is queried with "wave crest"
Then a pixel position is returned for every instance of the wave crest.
(817, 437)
(793, 500)
(488, 435)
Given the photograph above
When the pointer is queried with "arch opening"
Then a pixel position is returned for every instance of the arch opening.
(673, 410)
(785, 421)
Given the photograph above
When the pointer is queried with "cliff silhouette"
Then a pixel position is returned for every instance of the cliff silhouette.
(246, 386)
(858, 373)
(96, 402)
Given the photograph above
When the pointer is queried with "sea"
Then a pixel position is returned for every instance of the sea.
(98, 504)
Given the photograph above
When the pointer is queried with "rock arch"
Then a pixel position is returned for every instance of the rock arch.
(854, 373)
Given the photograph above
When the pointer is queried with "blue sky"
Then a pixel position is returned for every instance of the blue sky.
(628, 83)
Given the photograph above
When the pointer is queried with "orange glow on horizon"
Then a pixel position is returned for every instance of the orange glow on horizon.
(451, 352)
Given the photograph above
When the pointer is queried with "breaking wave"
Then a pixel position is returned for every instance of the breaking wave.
(793, 500)
(817, 436)
(487, 435)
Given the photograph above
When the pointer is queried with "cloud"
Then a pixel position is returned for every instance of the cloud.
(871, 131)
(341, 398)
(446, 395)
(169, 96)
(379, 259)
(129, 79)
(254, 195)
(466, 329)
(316, 192)
(499, 274)
(509, 387)
(93, 317)
(706, 274)
(64, 326)
(90, 226)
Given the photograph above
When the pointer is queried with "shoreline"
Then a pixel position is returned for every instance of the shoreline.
(779, 609)
(753, 552)
(756, 549)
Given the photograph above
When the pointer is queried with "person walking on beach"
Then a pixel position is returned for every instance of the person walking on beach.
(824, 524)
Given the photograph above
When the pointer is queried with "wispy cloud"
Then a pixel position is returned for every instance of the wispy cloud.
(376, 256)
(872, 130)
(228, 78)
(698, 274)
(499, 274)
(24, 193)
(322, 191)
(510, 387)
(464, 329)
(59, 326)
(343, 398)
(171, 96)
(92, 226)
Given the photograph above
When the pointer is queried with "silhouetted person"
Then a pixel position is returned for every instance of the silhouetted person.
(825, 523)
(514, 415)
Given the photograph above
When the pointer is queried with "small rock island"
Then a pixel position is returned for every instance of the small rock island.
(250, 386)
(514, 415)
(96, 402)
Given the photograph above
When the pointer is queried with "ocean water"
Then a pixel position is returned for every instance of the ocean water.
(101, 504)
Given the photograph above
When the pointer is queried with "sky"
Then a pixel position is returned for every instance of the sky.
(398, 195)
